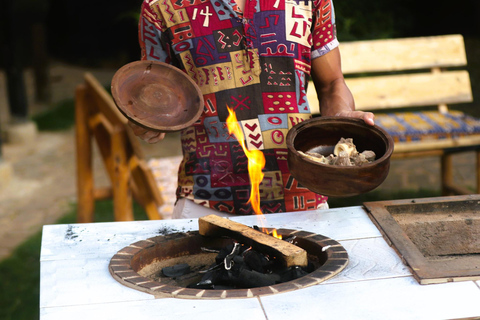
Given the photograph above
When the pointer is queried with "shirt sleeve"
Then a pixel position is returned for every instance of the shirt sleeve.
(150, 33)
(324, 29)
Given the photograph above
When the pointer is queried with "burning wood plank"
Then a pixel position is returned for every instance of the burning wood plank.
(290, 254)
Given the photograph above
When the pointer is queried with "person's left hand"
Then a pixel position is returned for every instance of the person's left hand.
(148, 135)
(368, 117)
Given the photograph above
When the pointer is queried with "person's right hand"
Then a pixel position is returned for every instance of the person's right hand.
(148, 135)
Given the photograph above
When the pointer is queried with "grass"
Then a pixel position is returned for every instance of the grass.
(20, 273)
(60, 117)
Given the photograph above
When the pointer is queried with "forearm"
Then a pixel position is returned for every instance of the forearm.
(335, 98)
(333, 94)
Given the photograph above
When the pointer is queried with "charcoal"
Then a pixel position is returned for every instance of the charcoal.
(292, 273)
(208, 280)
(224, 252)
(251, 279)
(176, 270)
(256, 261)
(240, 266)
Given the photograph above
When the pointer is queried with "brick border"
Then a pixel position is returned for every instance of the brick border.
(121, 269)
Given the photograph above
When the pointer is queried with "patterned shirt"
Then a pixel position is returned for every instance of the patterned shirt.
(257, 63)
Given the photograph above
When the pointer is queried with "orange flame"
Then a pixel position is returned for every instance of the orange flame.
(256, 161)
(275, 234)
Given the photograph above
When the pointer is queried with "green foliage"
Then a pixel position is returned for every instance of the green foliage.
(60, 117)
(365, 20)
(19, 284)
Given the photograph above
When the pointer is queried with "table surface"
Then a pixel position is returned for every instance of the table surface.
(76, 284)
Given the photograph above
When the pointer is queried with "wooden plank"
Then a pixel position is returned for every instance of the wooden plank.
(403, 54)
(413, 146)
(213, 225)
(399, 91)
(104, 100)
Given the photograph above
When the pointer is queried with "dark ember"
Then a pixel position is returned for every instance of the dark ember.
(239, 266)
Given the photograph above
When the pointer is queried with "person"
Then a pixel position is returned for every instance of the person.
(255, 57)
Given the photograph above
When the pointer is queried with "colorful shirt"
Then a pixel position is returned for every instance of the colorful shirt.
(257, 63)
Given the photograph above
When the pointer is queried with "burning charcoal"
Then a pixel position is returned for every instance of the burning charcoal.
(231, 256)
(224, 252)
(292, 273)
(176, 270)
(252, 279)
(256, 261)
(207, 281)
(290, 239)
(212, 267)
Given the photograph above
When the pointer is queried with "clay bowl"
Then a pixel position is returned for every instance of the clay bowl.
(157, 95)
(321, 134)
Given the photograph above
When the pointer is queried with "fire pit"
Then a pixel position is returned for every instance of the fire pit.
(140, 264)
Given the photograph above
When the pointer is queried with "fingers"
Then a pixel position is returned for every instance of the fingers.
(368, 117)
(155, 138)
(150, 136)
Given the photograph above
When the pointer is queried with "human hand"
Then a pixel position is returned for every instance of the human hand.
(365, 116)
(148, 135)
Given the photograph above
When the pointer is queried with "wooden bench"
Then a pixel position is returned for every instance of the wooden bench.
(99, 120)
(409, 83)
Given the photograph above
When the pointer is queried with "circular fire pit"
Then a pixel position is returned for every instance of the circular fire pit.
(139, 264)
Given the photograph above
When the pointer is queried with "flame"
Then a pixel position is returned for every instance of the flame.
(275, 234)
(256, 161)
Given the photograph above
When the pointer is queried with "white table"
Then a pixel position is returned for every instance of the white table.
(76, 284)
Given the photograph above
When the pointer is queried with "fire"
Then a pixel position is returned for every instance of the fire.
(275, 234)
(256, 162)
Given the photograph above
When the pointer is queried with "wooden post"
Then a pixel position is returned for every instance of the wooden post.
(83, 140)
(478, 169)
(447, 174)
(122, 197)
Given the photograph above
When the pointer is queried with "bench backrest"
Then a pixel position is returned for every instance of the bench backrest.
(409, 72)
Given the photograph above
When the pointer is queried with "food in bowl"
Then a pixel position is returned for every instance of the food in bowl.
(321, 134)
(344, 154)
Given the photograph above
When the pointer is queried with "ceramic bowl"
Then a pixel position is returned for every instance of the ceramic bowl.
(157, 95)
(320, 135)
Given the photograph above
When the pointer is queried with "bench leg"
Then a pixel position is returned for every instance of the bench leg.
(446, 174)
(83, 141)
(478, 171)
(448, 186)
(122, 195)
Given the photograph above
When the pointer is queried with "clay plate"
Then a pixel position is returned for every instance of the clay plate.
(157, 95)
